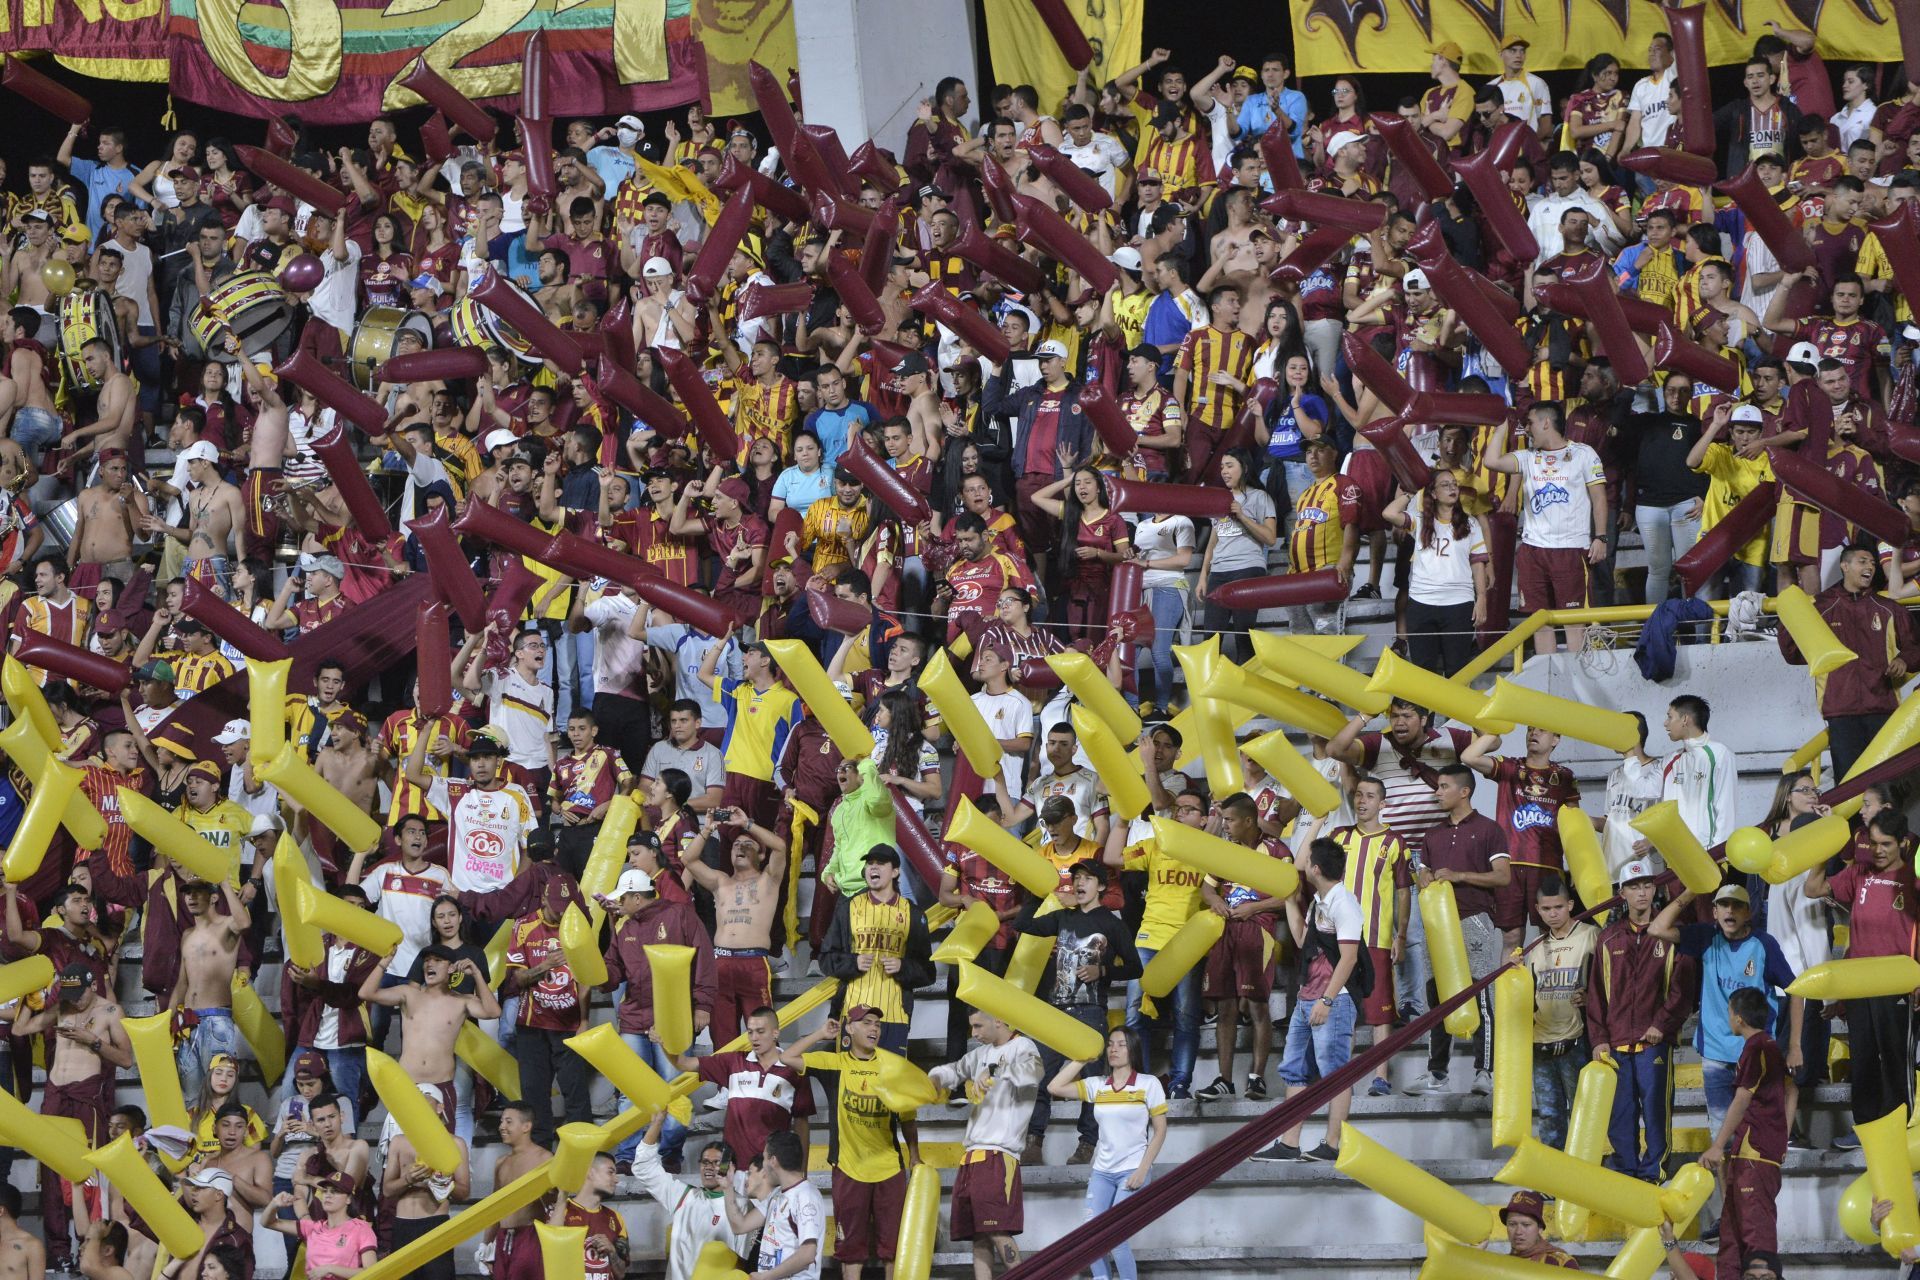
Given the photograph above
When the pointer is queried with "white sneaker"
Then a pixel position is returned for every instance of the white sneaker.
(1482, 1083)
(1428, 1083)
(718, 1102)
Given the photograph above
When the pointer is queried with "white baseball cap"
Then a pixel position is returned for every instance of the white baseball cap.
(1345, 138)
(634, 123)
(234, 731)
(1639, 869)
(498, 438)
(1803, 353)
(1050, 348)
(1126, 257)
(657, 267)
(212, 1179)
(1748, 413)
(200, 451)
(633, 880)
(1415, 279)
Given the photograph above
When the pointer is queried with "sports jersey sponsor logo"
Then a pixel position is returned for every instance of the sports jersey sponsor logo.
(1529, 816)
(1549, 495)
(1311, 515)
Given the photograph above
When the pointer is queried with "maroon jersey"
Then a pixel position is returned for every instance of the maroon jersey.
(723, 538)
(1762, 1132)
(1530, 802)
(605, 1222)
(1836, 250)
(1852, 343)
(1885, 905)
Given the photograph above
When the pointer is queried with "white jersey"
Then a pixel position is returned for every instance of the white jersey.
(1632, 789)
(1525, 97)
(1010, 1073)
(1703, 776)
(695, 1217)
(1559, 509)
(1103, 156)
(487, 830)
(794, 1216)
(406, 898)
(1124, 1110)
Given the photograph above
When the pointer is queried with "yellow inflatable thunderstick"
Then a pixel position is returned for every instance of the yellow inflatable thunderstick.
(824, 701)
(417, 1118)
(1414, 1189)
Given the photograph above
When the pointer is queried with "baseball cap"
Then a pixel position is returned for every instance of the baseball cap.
(657, 267)
(327, 564)
(212, 1179)
(1324, 441)
(338, 1183)
(1519, 42)
(1148, 175)
(1748, 413)
(1803, 353)
(485, 744)
(1166, 113)
(186, 171)
(631, 122)
(1528, 1203)
(309, 1063)
(1245, 73)
(1909, 333)
(265, 824)
(1345, 138)
(428, 281)
(37, 215)
(438, 951)
(75, 977)
(76, 234)
(498, 438)
(1021, 309)
(1050, 350)
(633, 880)
(1145, 351)
(736, 488)
(155, 670)
(283, 204)
(1734, 893)
(167, 741)
(911, 363)
(233, 731)
(1638, 869)
(1126, 257)
(861, 1012)
(190, 627)
(934, 191)
(883, 853)
(206, 769)
(200, 451)
(1415, 279)
(1451, 51)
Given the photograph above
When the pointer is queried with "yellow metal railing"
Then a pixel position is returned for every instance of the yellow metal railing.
(1516, 640)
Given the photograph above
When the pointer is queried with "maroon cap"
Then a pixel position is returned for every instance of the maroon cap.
(862, 1011)
(736, 488)
(1530, 1203)
(284, 204)
(310, 1063)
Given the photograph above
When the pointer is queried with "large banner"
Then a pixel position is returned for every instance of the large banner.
(735, 33)
(1024, 51)
(341, 61)
(112, 39)
(1336, 36)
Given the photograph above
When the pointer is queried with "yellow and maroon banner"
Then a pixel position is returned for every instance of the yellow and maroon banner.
(735, 33)
(1332, 37)
(113, 39)
(1024, 51)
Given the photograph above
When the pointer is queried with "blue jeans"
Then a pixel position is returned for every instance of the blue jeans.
(1330, 1044)
(1718, 1078)
(1554, 1083)
(383, 1014)
(582, 643)
(1104, 1190)
(34, 429)
(215, 1033)
(673, 1134)
(1669, 533)
(1169, 605)
(1410, 975)
(1185, 998)
(1642, 1105)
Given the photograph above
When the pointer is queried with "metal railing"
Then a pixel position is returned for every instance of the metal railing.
(1516, 640)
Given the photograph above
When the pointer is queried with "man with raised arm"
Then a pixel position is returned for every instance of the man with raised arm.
(431, 1015)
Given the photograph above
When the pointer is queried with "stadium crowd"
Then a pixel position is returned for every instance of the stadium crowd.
(899, 487)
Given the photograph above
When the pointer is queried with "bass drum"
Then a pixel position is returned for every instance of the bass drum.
(475, 326)
(249, 303)
(374, 338)
(85, 316)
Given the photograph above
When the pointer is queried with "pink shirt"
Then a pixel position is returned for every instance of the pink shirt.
(336, 1249)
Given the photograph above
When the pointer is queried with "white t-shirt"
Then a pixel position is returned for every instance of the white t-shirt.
(1009, 715)
(1103, 155)
(334, 301)
(1158, 537)
(1527, 98)
(794, 1216)
(522, 710)
(1649, 98)
(487, 829)
(1559, 510)
(1442, 572)
(617, 656)
(1124, 1112)
(1852, 122)
(406, 898)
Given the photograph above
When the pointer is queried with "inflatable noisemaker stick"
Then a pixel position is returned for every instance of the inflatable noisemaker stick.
(825, 141)
(1411, 151)
(999, 191)
(536, 147)
(1066, 33)
(1766, 219)
(1688, 27)
(1211, 731)
(291, 178)
(24, 977)
(55, 789)
(1860, 978)
(433, 647)
(1076, 183)
(717, 1262)
(1899, 236)
(1404, 679)
(822, 700)
(716, 251)
(1389, 437)
(1281, 590)
(775, 110)
(919, 1225)
(492, 1063)
(1752, 850)
(647, 405)
(1226, 681)
(1506, 220)
(695, 608)
(1682, 168)
(453, 579)
(1314, 251)
(1747, 520)
(672, 973)
(1287, 658)
(1672, 351)
(1356, 217)
(1125, 786)
(878, 166)
(876, 252)
(1179, 954)
(450, 102)
(1456, 407)
(44, 92)
(1200, 502)
(343, 467)
(157, 825)
(433, 1145)
(1225, 860)
(489, 523)
(1447, 951)
(757, 300)
(1021, 861)
(1593, 286)
(1414, 1189)
(27, 703)
(1458, 290)
(978, 332)
(1813, 483)
(831, 210)
(1051, 1026)
(450, 364)
(320, 910)
(123, 1165)
(1683, 851)
(1819, 647)
(709, 420)
(971, 932)
(943, 687)
(534, 71)
(1282, 165)
(1089, 684)
(1536, 1165)
(1450, 1260)
(1615, 730)
(1895, 736)
(1376, 373)
(855, 295)
(1587, 1124)
(580, 943)
(1513, 1056)
(290, 772)
(71, 662)
(305, 371)
(435, 139)
(629, 1072)
(831, 613)
(784, 203)
(497, 294)
(1586, 863)
(1883, 1142)
(901, 498)
(151, 1038)
(977, 248)
(1272, 752)
(563, 1250)
(59, 1142)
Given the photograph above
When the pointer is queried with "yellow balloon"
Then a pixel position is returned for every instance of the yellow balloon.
(1680, 847)
(267, 706)
(1187, 947)
(1031, 951)
(121, 1164)
(22, 977)
(1126, 787)
(1639, 1258)
(164, 830)
(23, 695)
(261, 1029)
(1088, 683)
(1414, 1189)
(57, 274)
(672, 972)
(290, 772)
(1901, 731)
(1397, 676)
(1750, 850)
(1615, 730)
(46, 1138)
(941, 683)
(1806, 847)
(524, 1190)
(1053, 1027)
(305, 946)
(1227, 682)
(1512, 1056)
(56, 787)
(1224, 860)
(563, 1250)
(152, 1040)
(1286, 657)
(1815, 639)
(1022, 863)
(822, 699)
(903, 1087)
(580, 941)
(1587, 1124)
(577, 1145)
(971, 932)
(1858, 979)
(1214, 722)
(1293, 771)
(32, 755)
(717, 1262)
(319, 909)
(606, 1053)
(1536, 1165)
(1451, 1260)
(919, 1225)
(609, 854)
(1586, 863)
(1447, 953)
(1856, 1211)
(1883, 1143)
(491, 1062)
(433, 1145)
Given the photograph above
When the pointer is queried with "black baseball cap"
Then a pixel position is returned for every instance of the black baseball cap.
(883, 853)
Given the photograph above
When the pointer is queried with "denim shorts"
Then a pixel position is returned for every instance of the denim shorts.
(1331, 1042)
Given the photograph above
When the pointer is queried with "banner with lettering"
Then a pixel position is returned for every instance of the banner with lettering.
(341, 61)
(1333, 37)
(112, 39)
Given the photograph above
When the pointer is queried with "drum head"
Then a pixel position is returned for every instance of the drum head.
(84, 317)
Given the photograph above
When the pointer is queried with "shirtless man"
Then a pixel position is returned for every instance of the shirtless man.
(209, 949)
(107, 514)
(214, 510)
(88, 1042)
(112, 425)
(35, 423)
(103, 1254)
(744, 902)
(22, 280)
(267, 454)
(348, 763)
(250, 1167)
(431, 1015)
(515, 1246)
(917, 380)
(421, 1197)
(337, 1151)
(22, 1256)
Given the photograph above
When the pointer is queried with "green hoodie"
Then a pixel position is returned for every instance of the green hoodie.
(862, 819)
